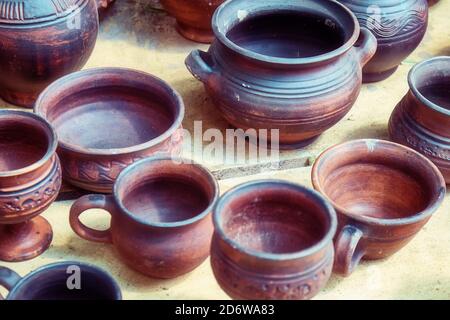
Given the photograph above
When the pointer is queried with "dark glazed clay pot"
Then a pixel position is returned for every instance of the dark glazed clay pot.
(30, 179)
(422, 119)
(161, 222)
(108, 118)
(50, 283)
(41, 41)
(383, 192)
(272, 240)
(289, 65)
(193, 17)
(399, 26)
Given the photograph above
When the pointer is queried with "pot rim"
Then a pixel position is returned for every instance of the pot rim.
(320, 245)
(219, 34)
(174, 95)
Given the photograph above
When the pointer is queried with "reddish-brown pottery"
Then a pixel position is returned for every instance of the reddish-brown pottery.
(160, 216)
(422, 119)
(383, 193)
(30, 179)
(290, 65)
(273, 240)
(399, 26)
(42, 41)
(108, 118)
(193, 17)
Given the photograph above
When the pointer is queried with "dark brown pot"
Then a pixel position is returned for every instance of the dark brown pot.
(383, 192)
(422, 119)
(262, 75)
(30, 179)
(272, 240)
(160, 216)
(399, 26)
(42, 41)
(193, 17)
(108, 118)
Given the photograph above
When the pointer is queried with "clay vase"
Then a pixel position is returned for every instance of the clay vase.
(50, 282)
(262, 74)
(42, 41)
(108, 118)
(399, 26)
(273, 240)
(422, 119)
(193, 17)
(160, 216)
(30, 179)
(383, 193)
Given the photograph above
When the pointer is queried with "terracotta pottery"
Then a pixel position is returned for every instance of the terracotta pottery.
(273, 240)
(399, 26)
(422, 119)
(160, 216)
(42, 41)
(30, 179)
(51, 283)
(103, 4)
(383, 192)
(108, 118)
(291, 65)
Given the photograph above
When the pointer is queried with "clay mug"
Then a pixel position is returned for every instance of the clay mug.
(59, 281)
(273, 240)
(160, 216)
(383, 193)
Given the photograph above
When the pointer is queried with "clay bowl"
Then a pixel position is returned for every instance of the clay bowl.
(51, 282)
(108, 118)
(422, 119)
(30, 179)
(160, 216)
(383, 193)
(272, 240)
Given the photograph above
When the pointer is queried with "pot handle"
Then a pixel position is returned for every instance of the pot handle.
(348, 253)
(366, 46)
(86, 203)
(8, 278)
(199, 64)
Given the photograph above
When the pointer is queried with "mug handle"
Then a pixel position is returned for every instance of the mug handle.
(367, 46)
(8, 279)
(91, 202)
(199, 64)
(348, 253)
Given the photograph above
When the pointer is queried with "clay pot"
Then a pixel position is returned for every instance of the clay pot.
(399, 26)
(383, 193)
(160, 216)
(51, 283)
(422, 119)
(108, 118)
(193, 17)
(263, 75)
(42, 42)
(30, 179)
(273, 240)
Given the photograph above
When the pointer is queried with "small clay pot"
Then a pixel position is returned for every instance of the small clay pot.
(422, 119)
(383, 193)
(30, 179)
(160, 216)
(273, 240)
(108, 118)
(42, 41)
(59, 281)
(293, 66)
(193, 17)
(399, 26)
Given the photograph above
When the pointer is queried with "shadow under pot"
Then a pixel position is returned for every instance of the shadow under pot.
(293, 66)
(160, 216)
(272, 240)
(30, 179)
(422, 119)
(108, 118)
(61, 281)
(383, 193)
